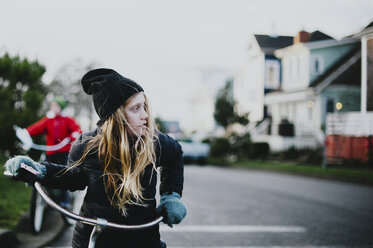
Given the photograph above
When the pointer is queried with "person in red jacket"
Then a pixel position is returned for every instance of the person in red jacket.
(57, 128)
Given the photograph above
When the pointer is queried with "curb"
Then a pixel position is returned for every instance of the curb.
(53, 225)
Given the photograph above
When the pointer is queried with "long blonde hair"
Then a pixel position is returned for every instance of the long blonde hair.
(122, 172)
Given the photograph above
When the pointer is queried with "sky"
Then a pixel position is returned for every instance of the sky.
(159, 43)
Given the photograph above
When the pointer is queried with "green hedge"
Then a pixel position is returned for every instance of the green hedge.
(240, 146)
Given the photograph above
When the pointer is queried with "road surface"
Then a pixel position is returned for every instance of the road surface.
(246, 208)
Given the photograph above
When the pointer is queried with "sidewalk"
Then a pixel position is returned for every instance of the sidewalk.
(24, 238)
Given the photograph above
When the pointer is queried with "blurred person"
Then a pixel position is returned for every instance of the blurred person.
(56, 127)
(119, 162)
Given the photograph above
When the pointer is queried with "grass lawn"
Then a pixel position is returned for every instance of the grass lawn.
(357, 175)
(14, 200)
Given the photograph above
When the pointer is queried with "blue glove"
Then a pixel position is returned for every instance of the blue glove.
(171, 208)
(26, 169)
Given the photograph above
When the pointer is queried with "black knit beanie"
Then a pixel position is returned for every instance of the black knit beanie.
(109, 90)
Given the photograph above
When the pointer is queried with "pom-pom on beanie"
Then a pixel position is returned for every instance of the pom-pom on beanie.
(109, 90)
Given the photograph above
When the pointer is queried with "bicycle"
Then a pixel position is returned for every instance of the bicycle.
(37, 203)
(38, 206)
(98, 223)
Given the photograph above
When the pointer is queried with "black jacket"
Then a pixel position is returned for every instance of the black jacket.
(96, 203)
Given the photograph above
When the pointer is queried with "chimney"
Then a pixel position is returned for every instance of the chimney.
(302, 36)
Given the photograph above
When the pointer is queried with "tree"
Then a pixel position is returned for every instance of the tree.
(225, 113)
(160, 124)
(21, 96)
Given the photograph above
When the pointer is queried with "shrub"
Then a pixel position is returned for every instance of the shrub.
(241, 145)
(219, 147)
(259, 150)
(305, 155)
(353, 162)
(291, 153)
(314, 156)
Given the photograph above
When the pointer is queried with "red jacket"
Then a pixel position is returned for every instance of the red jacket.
(56, 129)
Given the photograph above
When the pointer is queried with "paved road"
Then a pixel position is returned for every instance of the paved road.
(244, 208)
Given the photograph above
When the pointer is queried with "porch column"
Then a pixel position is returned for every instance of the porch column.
(364, 74)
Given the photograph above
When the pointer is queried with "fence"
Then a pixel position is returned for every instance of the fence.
(349, 136)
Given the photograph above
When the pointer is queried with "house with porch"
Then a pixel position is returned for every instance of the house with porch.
(350, 133)
(318, 75)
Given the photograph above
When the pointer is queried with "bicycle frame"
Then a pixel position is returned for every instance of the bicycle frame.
(99, 223)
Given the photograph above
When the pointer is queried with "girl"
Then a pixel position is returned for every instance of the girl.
(118, 162)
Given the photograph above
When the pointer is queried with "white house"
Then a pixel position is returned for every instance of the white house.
(319, 75)
(261, 73)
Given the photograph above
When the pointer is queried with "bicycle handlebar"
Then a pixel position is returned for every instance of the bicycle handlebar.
(27, 142)
(91, 221)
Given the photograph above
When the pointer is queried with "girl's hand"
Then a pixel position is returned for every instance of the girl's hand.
(171, 208)
(25, 169)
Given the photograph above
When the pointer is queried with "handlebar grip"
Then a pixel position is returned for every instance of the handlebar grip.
(24, 173)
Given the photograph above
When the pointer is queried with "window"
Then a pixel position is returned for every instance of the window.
(271, 74)
(317, 64)
(330, 105)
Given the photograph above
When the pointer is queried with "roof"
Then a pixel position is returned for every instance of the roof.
(336, 74)
(315, 45)
(269, 43)
(367, 31)
(370, 25)
(318, 35)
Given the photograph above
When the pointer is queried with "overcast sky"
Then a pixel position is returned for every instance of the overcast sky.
(157, 43)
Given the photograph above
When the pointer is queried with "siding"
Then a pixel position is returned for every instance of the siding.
(329, 56)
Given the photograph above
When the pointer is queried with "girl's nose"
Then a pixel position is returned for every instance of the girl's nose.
(144, 114)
